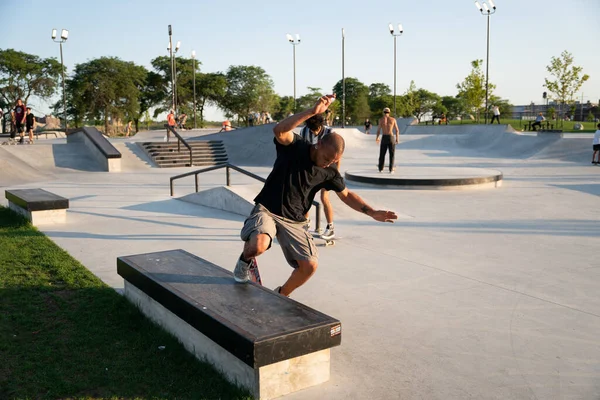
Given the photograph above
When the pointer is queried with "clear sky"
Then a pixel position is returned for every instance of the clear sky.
(441, 38)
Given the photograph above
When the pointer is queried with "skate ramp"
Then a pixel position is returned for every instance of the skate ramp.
(247, 146)
(568, 149)
(495, 141)
(455, 129)
(14, 171)
(237, 199)
(48, 160)
(254, 146)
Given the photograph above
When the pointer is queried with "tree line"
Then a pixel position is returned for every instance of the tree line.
(108, 89)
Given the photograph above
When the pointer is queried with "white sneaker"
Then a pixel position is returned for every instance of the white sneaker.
(329, 233)
(241, 272)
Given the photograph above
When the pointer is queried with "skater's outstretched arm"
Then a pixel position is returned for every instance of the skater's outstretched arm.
(283, 130)
(355, 202)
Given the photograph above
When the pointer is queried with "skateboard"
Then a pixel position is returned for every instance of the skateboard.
(328, 242)
(254, 272)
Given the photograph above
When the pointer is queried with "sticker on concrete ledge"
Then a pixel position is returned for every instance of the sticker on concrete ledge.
(336, 330)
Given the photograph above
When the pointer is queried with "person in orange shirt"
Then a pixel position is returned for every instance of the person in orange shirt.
(171, 122)
(171, 119)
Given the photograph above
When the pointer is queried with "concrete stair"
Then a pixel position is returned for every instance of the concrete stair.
(204, 153)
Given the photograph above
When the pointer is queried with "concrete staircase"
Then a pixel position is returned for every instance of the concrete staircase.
(204, 153)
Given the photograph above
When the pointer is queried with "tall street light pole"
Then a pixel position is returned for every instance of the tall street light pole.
(343, 81)
(487, 11)
(64, 34)
(170, 50)
(395, 35)
(194, 72)
(175, 73)
(294, 42)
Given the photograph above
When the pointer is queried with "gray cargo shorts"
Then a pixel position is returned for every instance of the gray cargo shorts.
(297, 244)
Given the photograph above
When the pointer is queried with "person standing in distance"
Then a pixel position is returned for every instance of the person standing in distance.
(299, 171)
(30, 124)
(496, 111)
(368, 126)
(387, 126)
(18, 118)
(596, 146)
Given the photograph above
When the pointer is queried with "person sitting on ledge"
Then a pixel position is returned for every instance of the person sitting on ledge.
(538, 122)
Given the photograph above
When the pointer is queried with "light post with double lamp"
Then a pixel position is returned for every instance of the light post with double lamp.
(395, 35)
(487, 9)
(64, 34)
(294, 42)
(173, 69)
(194, 72)
(343, 80)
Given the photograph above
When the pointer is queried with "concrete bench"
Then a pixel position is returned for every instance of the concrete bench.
(38, 205)
(100, 148)
(258, 339)
(550, 132)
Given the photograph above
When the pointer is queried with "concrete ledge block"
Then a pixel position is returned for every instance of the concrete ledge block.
(266, 382)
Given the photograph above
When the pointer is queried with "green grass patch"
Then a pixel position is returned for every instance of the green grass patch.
(566, 126)
(64, 334)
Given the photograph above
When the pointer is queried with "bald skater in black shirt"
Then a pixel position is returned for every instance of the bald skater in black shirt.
(301, 169)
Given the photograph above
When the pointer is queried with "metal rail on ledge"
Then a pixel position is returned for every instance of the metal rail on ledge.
(228, 167)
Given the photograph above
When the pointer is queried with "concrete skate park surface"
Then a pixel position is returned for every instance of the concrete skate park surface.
(484, 294)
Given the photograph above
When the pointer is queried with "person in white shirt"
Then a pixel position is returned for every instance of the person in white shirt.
(496, 111)
(538, 121)
(596, 146)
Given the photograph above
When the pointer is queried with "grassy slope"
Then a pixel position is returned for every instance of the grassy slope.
(65, 334)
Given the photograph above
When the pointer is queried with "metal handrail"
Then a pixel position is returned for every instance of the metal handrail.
(227, 167)
(180, 140)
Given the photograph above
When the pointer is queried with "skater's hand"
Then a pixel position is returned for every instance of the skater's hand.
(323, 103)
(377, 140)
(383, 216)
(397, 141)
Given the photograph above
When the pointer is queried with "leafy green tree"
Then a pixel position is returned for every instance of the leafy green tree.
(184, 82)
(454, 106)
(309, 99)
(23, 75)
(568, 78)
(357, 99)
(590, 117)
(151, 95)
(472, 89)
(210, 90)
(408, 102)
(107, 87)
(379, 90)
(426, 102)
(247, 88)
(379, 98)
(283, 108)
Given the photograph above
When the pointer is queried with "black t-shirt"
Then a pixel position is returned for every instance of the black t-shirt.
(294, 181)
(19, 113)
(29, 119)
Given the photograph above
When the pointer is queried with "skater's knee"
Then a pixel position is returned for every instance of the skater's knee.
(308, 267)
(257, 245)
(324, 196)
